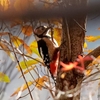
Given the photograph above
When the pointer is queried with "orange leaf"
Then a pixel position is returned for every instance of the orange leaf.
(39, 84)
(27, 48)
(27, 30)
(5, 4)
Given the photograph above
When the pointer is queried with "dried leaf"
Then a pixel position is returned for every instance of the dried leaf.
(27, 48)
(39, 84)
(7, 50)
(4, 78)
(17, 41)
(27, 30)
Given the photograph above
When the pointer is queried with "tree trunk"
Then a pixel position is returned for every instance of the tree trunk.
(72, 46)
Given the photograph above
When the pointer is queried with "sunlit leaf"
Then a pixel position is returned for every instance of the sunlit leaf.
(28, 70)
(92, 38)
(88, 72)
(25, 64)
(34, 48)
(85, 45)
(39, 84)
(17, 41)
(4, 78)
(33, 44)
(27, 30)
(5, 4)
(57, 35)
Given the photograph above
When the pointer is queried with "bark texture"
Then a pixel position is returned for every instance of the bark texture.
(72, 46)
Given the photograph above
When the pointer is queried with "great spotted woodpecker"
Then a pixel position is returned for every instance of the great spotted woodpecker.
(46, 47)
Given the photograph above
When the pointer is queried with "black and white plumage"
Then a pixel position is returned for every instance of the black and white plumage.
(46, 46)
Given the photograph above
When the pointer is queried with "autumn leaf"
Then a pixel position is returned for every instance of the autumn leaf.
(33, 46)
(7, 50)
(57, 35)
(27, 48)
(22, 88)
(5, 4)
(17, 42)
(27, 30)
(92, 38)
(4, 78)
(85, 45)
(25, 64)
(39, 84)
(28, 70)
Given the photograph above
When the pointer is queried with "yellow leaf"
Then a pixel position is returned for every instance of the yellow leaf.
(28, 70)
(88, 72)
(57, 35)
(34, 48)
(33, 44)
(92, 38)
(4, 78)
(22, 88)
(7, 50)
(27, 30)
(39, 84)
(17, 41)
(25, 64)
(85, 45)
(5, 4)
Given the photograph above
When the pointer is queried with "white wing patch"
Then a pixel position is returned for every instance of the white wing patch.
(41, 53)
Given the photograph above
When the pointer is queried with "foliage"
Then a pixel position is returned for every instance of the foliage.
(18, 30)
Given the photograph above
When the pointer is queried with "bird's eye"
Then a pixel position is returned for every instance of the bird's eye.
(42, 28)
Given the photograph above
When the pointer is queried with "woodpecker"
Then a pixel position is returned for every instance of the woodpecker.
(46, 46)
